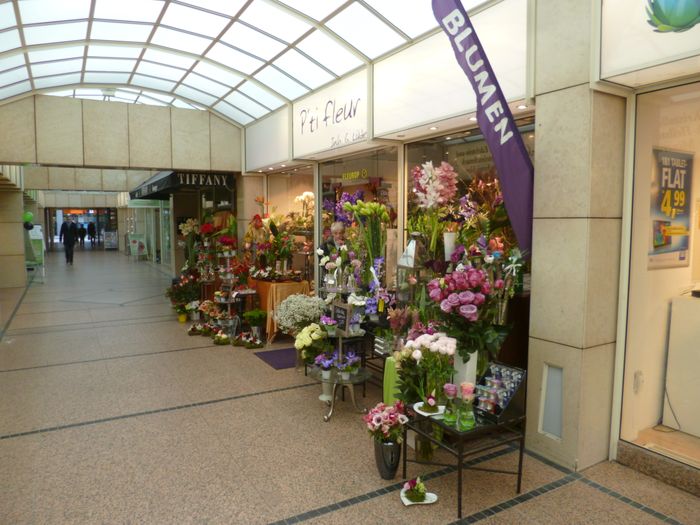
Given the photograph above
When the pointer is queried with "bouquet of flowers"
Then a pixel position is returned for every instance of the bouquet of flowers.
(298, 311)
(385, 422)
(371, 218)
(184, 291)
(195, 329)
(310, 342)
(424, 365)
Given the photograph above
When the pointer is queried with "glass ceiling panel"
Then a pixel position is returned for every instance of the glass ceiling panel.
(58, 80)
(317, 10)
(7, 16)
(120, 31)
(195, 96)
(114, 51)
(274, 20)
(233, 113)
(126, 95)
(179, 40)
(226, 7)
(204, 84)
(143, 99)
(65, 93)
(55, 33)
(16, 89)
(346, 23)
(329, 52)
(182, 104)
(234, 59)
(89, 92)
(191, 19)
(15, 75)
(11, 61)
(261, 95)
(41, 55)
(218, 73)
(413, 17)
(253, 41)
(163, 98)
(242, 102)
(105, 64)
(152, 83)
(300, 67)
(281, 83)
(170, 59)
(156, 70)
(54, 68)
(51, 10)
(106, 78)
(9, 40)
(133, 10)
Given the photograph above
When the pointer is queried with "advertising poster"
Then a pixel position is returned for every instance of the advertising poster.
(670, 209)
(137, 244)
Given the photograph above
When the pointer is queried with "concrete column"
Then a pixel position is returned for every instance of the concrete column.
(14, 273)
(579, 163)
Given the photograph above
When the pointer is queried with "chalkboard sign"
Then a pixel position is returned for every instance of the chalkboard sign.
(342, 312)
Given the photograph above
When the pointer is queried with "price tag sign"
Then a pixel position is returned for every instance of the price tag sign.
(670, 208)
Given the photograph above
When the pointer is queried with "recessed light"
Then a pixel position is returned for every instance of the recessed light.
(531, 136)
(284, 165)
(473, 119)
(522, 106)
(269, 168)
(432, 128)
(448, 138)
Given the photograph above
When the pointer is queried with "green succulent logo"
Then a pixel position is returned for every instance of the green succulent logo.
(676, 16)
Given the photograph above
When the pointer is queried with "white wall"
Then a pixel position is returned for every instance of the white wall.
(268, 141)
(675, 127)
(424, 84)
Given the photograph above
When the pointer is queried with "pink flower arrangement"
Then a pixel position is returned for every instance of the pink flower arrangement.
(434, 186)
(462, 292)
(385, 422)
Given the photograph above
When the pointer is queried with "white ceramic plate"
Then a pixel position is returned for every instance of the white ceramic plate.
(429, 498)
(441, 409)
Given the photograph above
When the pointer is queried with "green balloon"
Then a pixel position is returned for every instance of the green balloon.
(27, 216)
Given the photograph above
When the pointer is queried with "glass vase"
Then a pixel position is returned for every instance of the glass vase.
(465, 417)
(450, 417)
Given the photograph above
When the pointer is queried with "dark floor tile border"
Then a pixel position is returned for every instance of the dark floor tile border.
(93, 324)
(629, 501)
(155, 411)
(14, 312)
(112, 358)
(548, 462)
(389, 488)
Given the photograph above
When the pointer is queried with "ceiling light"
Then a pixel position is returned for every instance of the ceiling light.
(448, 138)
(522, 106)
(531, 136)
(473, 119)
(259, 171)
(432, 128)
(284, 165)
(269, 168)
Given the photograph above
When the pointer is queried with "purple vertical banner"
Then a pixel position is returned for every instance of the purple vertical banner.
(515, 169)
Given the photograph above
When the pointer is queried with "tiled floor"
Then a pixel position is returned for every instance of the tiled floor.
(110, 413)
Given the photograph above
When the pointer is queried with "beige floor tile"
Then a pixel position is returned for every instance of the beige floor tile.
(639, 487)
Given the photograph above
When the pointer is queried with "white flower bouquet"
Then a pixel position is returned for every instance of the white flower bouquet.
(298, 311)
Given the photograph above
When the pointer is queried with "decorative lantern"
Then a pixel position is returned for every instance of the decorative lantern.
(411, 272)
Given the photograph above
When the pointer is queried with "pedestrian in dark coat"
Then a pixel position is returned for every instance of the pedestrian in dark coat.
(68, 235)
(81, 234)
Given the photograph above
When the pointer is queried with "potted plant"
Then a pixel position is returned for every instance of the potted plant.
(181, 310)
(193, 309)
(256, 319)
(385, 424)
(297, 311)
(329, 324)
(415, 493)
(221, 338)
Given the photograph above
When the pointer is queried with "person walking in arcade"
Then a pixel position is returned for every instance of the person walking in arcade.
(68, 235)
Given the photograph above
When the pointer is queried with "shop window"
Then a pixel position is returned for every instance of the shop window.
(662, 364)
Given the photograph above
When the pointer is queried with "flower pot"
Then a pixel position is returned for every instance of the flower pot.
(449, 238)
(181, 318)
(330, 330)
(326, 390)
(194, 316)
(345, 376)
(325, 374)
(257, 331)
(387, 455)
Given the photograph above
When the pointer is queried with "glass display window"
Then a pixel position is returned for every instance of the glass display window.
(662, 364)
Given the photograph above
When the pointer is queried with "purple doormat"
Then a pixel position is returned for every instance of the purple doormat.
(279, 359)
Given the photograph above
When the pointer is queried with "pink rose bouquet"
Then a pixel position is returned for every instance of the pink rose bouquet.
(385, 422)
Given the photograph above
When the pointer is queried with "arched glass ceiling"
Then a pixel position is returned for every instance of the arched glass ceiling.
(240, 59)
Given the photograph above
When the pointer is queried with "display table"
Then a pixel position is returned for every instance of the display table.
(272, 294)
(463, 444)
(337, 381)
